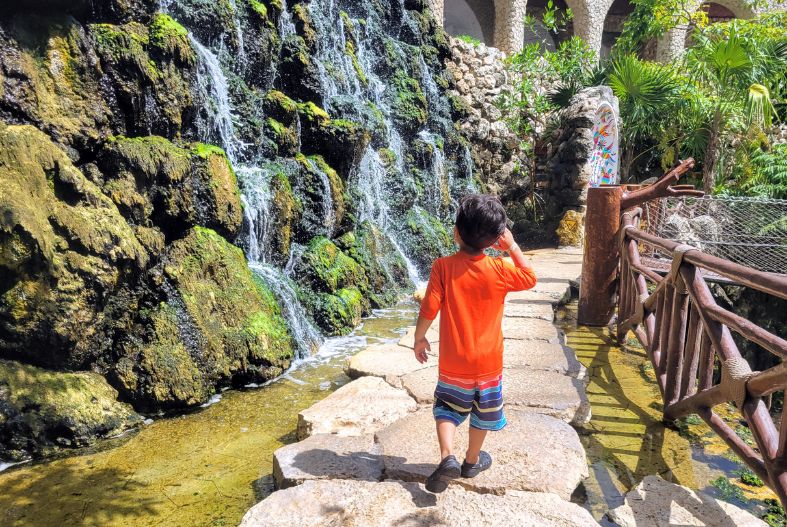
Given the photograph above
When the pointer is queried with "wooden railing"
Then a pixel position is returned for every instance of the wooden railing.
(688, 339)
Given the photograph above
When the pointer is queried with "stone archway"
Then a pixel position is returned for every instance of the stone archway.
(475, 18)
(674, 42)
(589, 16)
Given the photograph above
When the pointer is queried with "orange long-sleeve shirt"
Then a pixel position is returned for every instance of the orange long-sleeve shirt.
(469, 293)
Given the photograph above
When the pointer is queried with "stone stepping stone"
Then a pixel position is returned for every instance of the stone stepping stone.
(360, 407)
(533, 453)
(387, 361)
(532, 296)
(541, 355)
(542, 309)
(368, 504)
(327, 456)
(432, 335)
(544, 392)
(530, 329)
(655, 503)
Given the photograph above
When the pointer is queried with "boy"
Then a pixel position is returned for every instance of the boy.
(468, 289)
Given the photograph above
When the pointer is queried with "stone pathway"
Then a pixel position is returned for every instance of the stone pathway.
(367, 448)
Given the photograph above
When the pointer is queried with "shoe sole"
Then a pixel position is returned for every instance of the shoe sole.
(440, 483)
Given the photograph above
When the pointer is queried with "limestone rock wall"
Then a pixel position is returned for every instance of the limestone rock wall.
(480, 76)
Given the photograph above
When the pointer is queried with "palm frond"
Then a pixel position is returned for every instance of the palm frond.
(759, 107)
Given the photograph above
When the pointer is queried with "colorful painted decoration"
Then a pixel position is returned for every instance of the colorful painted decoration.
(604, 157)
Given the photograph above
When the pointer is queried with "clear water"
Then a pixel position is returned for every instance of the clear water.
(200, 469)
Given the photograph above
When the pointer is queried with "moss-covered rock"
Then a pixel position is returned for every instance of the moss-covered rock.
(156, 183)
(428, 238)
(207, 321)
(321, 194)
(338, 314)
(324, 267)
(65, 250)
(408, 102)
(300, 76)
(170, 39)
(385, 268)
(43, 410)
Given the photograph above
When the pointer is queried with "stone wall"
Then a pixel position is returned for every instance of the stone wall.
(480, 77)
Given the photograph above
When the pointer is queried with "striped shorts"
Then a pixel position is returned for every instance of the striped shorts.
(482, 399)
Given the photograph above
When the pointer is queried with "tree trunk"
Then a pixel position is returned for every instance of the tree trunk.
(711, 156)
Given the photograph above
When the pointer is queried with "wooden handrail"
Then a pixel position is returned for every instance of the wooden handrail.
(688, 338)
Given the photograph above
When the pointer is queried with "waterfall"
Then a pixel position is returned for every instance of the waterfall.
(286, 26)
(328, 216)
(256, 196)
(433, 189)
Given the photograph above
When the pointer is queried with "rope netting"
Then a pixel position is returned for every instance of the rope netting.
(747, 231)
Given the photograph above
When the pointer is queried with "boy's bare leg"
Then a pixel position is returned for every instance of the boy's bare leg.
(445, 436)
(475, 443)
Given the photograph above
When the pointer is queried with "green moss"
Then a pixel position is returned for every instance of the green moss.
(328, 269)
(349, 49)
(279, 100)
(168, 36)
(728, 491)
(469, 40)
(387, 156)
(409, 101)
(305, 25)
(205, 151)
(285, 212)
(313, 113)
(339, 313)
(775, 515)
(750, 478)
(43, 410)
(337, 186)
(259, 8)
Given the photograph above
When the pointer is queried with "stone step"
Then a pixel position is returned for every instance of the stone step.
(655, 502)
(540, 355)
(533, 452)
(546, 392)
(327, 456)
(371, 504)
(543, 309)
(362, 406)
(530, 329)
(432, 335)
(388, 361)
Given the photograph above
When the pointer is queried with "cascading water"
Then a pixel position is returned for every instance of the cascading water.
(255, 186)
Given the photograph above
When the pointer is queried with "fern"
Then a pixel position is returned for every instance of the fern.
(769, 174)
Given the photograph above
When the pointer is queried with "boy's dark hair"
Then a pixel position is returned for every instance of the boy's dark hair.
(481, 220)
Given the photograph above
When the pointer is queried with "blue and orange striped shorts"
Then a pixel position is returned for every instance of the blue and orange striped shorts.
(481, 399)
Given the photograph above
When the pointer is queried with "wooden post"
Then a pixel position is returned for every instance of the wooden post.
(600, 259)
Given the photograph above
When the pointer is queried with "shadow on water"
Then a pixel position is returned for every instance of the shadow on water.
(626, 439)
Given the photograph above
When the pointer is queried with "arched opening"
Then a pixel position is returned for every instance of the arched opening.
(618, 12)
(474, 18)
(539, 32)
(716, 13)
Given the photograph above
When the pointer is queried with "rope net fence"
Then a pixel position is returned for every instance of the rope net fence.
(747, 231)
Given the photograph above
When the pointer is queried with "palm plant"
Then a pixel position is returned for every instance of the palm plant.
(646, 92)
(733, 71)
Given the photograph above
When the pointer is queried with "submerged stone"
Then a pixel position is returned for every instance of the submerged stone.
(43, 410)
(360, 407)
(382, 504)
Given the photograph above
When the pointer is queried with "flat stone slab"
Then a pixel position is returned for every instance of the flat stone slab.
(432, 335)
(533, 452)
(541, 391)
(530, 329)
(656, 503)
(360, 407)
(327, 456)
(543, 309)
(367, 504)
(542, 355)
(387, 361)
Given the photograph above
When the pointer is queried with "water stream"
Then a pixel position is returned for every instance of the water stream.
(201, 469)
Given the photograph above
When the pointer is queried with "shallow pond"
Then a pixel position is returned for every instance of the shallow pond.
(626, 439)
(205, 468)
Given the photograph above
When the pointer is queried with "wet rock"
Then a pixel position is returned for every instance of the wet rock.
(361, 407)
(522, 459)
(42, 410)
(156, 183)
(372, 504)
(327, 456)
(387, 361)
(546, 392)
(205, 321)
(64, 251)
(655, 502)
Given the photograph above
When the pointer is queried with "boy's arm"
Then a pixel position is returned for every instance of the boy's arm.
(421, 344)
(525, 276)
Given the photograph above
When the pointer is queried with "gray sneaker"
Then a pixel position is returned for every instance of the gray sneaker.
(470, 470)
(447, 470)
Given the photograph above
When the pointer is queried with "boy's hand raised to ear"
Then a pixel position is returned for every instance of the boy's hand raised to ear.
(420, 348)
(505, 242)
